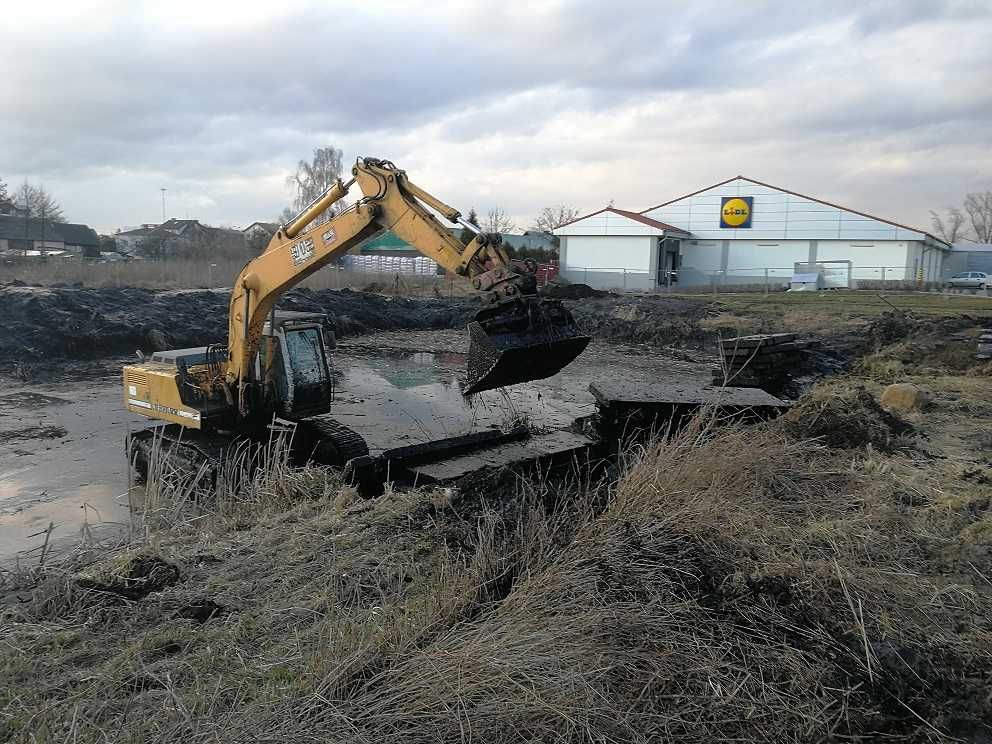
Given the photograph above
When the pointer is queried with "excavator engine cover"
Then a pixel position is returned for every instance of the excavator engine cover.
(520, 340)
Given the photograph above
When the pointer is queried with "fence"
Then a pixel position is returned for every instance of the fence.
(399, 275)
(833, 275)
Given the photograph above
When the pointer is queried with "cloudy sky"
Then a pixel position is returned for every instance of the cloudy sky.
(883, 106)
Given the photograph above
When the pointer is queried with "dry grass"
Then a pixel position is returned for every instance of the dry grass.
(735, 585)
(841, 306)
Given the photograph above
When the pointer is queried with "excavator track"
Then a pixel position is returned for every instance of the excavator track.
(319, 439)
(179, 449)
(329, 442)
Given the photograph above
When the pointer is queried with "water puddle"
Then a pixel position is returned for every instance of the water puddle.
(395, 398)
(61, 443)
(62, 462)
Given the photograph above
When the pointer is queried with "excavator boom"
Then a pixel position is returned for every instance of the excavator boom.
(516, 337)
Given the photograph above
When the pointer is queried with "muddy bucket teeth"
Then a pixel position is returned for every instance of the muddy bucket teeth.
(522, 341)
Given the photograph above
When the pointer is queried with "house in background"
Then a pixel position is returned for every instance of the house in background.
(179, 238)
(146, 239)
(20, 236)
(9, 209)
(260, 230)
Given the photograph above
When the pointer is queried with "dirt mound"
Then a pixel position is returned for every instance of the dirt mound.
(577, 291)
(658, 321)
(931, 346)
(891, 327)
(71, 322)
(844, 417)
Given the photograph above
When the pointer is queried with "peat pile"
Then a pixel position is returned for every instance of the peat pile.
(658, 321)
(75, 322)
(43, 323)
(903, 344)
(845, 416)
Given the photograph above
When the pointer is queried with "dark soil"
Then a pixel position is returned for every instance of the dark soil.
(41, 323)
(572, 291)
(845, 417)
(890, 328)
(32, 432)
(51, 323)
(658, 321)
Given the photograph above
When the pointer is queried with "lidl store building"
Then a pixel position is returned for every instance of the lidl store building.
(740, 232)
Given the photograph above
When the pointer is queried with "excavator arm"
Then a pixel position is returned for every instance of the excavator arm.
(515, 337)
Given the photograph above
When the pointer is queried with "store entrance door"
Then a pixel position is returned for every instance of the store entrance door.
(668, 262)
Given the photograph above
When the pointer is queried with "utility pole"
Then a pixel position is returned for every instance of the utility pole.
(163, 204)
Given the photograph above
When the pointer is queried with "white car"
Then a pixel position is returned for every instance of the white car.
(969, 279)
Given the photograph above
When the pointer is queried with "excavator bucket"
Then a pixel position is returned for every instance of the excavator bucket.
(526, 339)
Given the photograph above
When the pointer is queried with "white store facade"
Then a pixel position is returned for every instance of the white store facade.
(740, 232)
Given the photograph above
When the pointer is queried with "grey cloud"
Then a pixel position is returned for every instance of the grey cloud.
(208, 104)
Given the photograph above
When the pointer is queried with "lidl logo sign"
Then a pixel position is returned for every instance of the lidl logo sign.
(735, 211)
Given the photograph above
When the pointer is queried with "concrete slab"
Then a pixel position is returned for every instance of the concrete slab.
(556, 444)
(751, 342)
(681, 393)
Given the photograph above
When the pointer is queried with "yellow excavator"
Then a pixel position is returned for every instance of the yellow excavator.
(275, 363)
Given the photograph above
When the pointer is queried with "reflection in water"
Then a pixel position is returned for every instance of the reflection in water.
(391, 397)
(394, 398)
(73, 481)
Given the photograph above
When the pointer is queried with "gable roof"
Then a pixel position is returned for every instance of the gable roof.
(16, 228)
(270, 227)
(801, 196)
(636, 216)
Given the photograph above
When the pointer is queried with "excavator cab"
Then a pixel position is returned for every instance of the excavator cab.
(293, 363)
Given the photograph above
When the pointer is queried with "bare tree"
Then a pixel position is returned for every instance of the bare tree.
(37, 203)
(466, 235)
(285, 216)
(551, 218)
(6, 205)
(496, 221)
(978, 205)
(313, 178)
(950, 227)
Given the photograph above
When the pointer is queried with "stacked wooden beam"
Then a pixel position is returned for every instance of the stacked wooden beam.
(985, 344)
(761, 361)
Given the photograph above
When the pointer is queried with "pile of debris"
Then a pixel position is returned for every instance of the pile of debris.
(765, 361)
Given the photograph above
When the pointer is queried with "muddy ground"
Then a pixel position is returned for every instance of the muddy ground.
(63, 323)
(58, 325)
(823, 577)
(394, 388)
